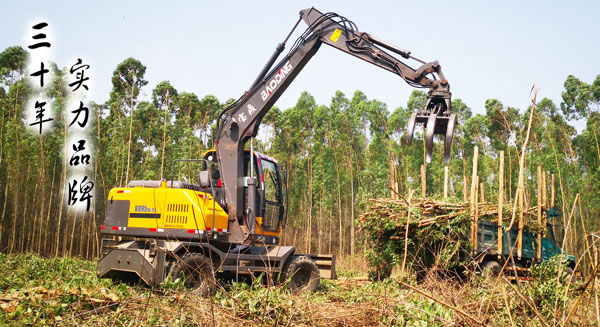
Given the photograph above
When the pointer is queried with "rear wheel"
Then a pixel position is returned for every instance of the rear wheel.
(570, 274)
(302, 273)
(197, 273)
(569, 271)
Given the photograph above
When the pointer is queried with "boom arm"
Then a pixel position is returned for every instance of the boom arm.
(240, 121)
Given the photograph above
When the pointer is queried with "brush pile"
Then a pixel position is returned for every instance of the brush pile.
(437, 234)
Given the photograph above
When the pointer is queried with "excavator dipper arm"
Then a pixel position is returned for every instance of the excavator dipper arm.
(240, 121)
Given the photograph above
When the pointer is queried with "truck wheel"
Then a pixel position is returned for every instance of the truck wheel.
(303, 274)
(491, 268)
(569, 271)
(571, 274)
(197, 273)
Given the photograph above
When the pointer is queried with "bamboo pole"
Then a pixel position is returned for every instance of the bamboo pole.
(473, 196)
(520, 187)
(585, 232)
(568, 225)
(445, 182)
(539, 212)
(500, 202)
(423, 181)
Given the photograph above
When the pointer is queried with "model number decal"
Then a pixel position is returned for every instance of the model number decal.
(144, 209)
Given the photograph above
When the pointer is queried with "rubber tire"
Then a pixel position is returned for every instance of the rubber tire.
(302, 273)
(491, 268)
(569, 271)
(198, 273)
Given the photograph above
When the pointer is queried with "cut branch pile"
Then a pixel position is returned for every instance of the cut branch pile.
(438, 232)
(426, 212)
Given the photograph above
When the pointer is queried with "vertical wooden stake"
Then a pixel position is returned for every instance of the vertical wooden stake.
(521, 224)
(445, 182)
(544, 203)
(423, 181)
(466, 189)
(552, 191)
(392, 181)
(500, 202)
(539, 212)
(482, 191)
(545, 191)
(406, 233)
(476, 220)
(473, 196)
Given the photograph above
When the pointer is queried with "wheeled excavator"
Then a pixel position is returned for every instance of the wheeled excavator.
(232, 220)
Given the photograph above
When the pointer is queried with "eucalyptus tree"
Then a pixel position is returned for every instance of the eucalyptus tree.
(164, 97)
(127, 81)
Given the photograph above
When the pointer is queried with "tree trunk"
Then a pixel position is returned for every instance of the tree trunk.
(162, 160)
(130, 127)
(339, 189)
(47, 223)
(309, 206)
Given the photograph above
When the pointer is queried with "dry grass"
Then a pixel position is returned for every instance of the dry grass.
(37, 291)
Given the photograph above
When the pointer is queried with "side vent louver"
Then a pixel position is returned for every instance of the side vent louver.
(177, 213)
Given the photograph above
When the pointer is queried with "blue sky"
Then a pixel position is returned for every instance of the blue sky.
(488, 49)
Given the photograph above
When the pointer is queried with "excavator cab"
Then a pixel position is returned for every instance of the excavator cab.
(269, 198)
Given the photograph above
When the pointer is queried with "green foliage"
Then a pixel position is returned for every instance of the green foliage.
(551, 286)
(12, 64)
(444, 244)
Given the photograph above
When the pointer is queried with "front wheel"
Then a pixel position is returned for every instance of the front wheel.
(303, 274)
(197, 273)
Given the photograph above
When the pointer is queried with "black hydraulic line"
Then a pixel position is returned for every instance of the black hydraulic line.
(268, 65)
(274, 56)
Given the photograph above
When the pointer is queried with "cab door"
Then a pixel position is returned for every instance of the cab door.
(272, 194)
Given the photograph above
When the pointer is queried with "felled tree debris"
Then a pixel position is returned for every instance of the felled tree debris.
(438, 232)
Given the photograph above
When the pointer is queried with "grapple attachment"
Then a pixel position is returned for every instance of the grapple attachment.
(437, 119)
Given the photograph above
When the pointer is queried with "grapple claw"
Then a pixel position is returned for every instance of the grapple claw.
(449, 137)
(431, 123)
(437, 119)
(412, 121)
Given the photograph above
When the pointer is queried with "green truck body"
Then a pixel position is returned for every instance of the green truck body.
(487, 244)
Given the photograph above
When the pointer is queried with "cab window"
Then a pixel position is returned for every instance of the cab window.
(271, 184)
